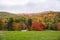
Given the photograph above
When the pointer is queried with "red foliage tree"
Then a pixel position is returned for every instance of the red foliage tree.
(37, 26)
(58, 26)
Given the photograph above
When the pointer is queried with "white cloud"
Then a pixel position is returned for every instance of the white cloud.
(38, 1)
(13, 2)
(25, 6)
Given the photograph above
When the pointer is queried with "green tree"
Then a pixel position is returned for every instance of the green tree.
(9, 24)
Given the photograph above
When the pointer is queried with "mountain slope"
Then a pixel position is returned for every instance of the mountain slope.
(6, 14)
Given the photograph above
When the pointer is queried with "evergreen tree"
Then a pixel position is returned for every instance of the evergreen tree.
(29, 24)
(9, 24)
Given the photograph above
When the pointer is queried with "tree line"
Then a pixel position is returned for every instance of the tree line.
(39, 22)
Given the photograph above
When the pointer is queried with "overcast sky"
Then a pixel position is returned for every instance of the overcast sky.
(29, 6)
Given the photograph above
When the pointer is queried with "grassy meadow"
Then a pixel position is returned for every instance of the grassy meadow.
(30, 35)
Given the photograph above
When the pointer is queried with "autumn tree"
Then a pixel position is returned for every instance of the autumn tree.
(1, 24)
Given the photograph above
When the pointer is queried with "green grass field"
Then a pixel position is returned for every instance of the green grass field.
(30, 35)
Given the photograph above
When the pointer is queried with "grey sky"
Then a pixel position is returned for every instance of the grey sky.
(29, 6)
